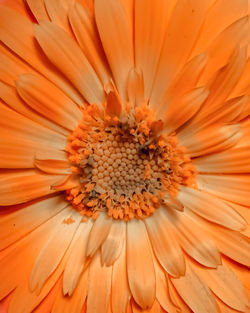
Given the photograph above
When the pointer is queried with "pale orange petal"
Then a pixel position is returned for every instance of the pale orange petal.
(114, 29)
(141, 275)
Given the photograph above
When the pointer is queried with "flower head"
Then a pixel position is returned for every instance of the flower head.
(124, 156)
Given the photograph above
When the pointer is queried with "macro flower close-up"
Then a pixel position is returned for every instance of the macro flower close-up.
(124, 156)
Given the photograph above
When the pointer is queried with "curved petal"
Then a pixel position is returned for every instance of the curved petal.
(75, 265)
(54, 250)
(225, 284)
(37, 7)
(98, 233)
(182, 31)
(164, 244)
(17, 33)
(194, 240)
(85, 30)
(211, 208)
(141, 275)
(195, 293)
(149, 38)
(120, 289)
(114, 29)
(232, 187)
(25, 187)
(49, 101)
(16, 225)
(99, 287)
(66, 55)
(112, 245)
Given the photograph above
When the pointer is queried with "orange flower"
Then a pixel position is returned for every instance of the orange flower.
(124, 156)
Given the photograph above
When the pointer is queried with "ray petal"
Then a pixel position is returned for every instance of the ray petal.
(66, 55)
(165, 245)
(99, 287)
(141, 275)
(114, 29)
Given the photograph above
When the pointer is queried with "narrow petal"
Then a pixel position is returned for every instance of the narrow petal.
(16, 225)
(9, 95)
(18, 189)
(37, 7)
(162, 292)
(165, 245)
(99, 287)
(231, 243)
(17, 33)
(181, 34)
(195, 293)
(85, 30)
(58, 12)
(141, 275)
(233, 187)
(210, 140)
(228, 162)
(183, 109)
(98, 233)
(211, 208)
(76, 262)
(113, 244)
(149, 38)
(232, 10)
(218, 53)
(23, 254)
(114, 29)
(75, 303)
(49, 101)
(198, 244)
(225, 284)
(23, 300)
(120, 289)
(65, 54)
(49, 257)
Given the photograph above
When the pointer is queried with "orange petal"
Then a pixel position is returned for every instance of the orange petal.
(114, 29)
(48, 100)
(224, 12)
(37, 7)
(113, 244)
(75, 303)
(98, 233)
(211, 208)
(52, 253)
(17, 33)
(209, 140)
(19, 189)
(194, 240)
(225, 284)
(233, 187)
(99, 286)
(195, 293)
(141, 275)
(165, 245)
(85, 30)
(181, 34)
(149, 38)
(162, 291)
(10, 97)
(228, 162)
(66, 55)
(21, 222)
(75, 265)
(58, 12)
(120, 289)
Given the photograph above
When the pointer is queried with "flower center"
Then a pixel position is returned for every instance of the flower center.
(125, 168)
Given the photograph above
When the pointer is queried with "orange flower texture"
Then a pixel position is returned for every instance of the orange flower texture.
(124, 156)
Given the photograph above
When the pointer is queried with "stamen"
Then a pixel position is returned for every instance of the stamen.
(124, 168)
